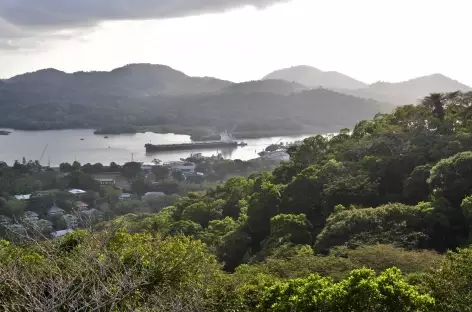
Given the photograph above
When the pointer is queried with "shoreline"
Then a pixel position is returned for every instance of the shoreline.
(196, 134)
(206, 134)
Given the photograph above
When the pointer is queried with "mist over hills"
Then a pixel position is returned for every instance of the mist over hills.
(313, 77)
(266, 86)
(407, 92)
(150, 95)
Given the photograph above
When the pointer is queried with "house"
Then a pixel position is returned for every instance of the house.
(80, 206)
(55, 211)
(30, 216)
(148, 166)
(77, 192)
(23, 197)
(124, 196)
(106, 182)
(151, 195)
(72, 221)
(277, 156)
(61, 233)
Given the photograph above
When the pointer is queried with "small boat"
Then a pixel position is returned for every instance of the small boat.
(81, 139)
(106, 137)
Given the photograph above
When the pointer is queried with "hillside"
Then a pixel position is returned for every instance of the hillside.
(313, 77)
(410, 91)
(133, 80)
(265, 86)
(145, 95)
(374, 219)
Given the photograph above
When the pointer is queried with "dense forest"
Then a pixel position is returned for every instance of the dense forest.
(375, 218)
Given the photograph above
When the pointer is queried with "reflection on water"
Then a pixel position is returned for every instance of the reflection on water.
(67, 146)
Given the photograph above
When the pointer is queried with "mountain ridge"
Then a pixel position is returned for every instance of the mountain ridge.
(147, 95)
(314, 77)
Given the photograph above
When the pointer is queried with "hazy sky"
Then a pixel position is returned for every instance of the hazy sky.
(371, 40)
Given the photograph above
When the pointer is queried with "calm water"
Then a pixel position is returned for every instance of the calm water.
(66, 146)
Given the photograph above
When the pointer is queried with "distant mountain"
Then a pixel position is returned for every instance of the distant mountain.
(143, 94)
(265, 86)
(131, 80)
(313, 77)
(409, 92)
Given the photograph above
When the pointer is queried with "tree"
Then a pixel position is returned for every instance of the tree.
(82, 180)
(76, 166)
(435, 102)
(202, 213)
(292, 228)
(161, 172)
(416, 187)
(178, 175)
(262, 207)
(451, 178)
(450, 284)
(401, 225)
(114, 167)
(361, 291)
(14, 208)
(131, 169)
(185, 227)
(65, 167)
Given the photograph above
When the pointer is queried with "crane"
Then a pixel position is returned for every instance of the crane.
(42, 154)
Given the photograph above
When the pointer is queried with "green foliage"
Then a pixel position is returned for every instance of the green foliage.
(291, 228)
(361, 291)
(382, 257)
(467, 208)
(450, 284)
(451, 178)
(401, 225)
(185, 227)
(119, 272)
(202, 213)
(262, 207)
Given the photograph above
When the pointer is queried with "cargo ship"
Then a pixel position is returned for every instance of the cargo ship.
(227, 140)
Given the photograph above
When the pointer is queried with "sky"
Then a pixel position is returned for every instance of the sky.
(240, 40)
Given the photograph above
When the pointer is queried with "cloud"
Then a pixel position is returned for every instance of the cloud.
(73, 13)
(25, 23)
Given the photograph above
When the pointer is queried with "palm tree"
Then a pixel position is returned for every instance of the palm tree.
(435, 101)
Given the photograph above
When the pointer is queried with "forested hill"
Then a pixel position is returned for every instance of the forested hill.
(144, 95)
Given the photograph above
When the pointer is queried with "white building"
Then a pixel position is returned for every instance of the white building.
(58, 234)
(124, 196)
(23, 197)
(182, 166)
(77, 192)
(148, 166)
(278, 156)
(105, 182)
